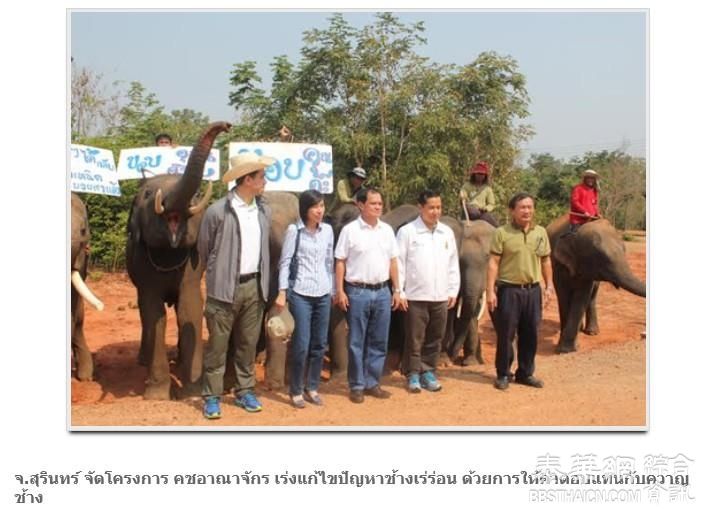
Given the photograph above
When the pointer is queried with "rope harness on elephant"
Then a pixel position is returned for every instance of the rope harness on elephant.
(169, 269)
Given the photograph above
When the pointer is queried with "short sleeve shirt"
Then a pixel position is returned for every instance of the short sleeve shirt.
(521, 253)
(367, 251)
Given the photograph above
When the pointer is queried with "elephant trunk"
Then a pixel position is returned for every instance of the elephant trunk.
(632, 284)
(189, 182)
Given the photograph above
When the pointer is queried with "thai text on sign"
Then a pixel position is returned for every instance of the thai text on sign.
(298, 167)
(92, 170)
(138, 163)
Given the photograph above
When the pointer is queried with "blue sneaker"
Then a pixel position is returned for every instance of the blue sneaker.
(249, 402)
(430, 382)
(413, 383)
(212, 410)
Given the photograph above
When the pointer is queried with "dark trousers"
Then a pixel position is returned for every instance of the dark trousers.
(424, 328)
(518, 312)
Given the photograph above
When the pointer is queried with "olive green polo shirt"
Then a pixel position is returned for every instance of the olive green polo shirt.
(520, 253)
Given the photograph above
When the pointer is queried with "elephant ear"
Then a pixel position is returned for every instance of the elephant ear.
(565, 253)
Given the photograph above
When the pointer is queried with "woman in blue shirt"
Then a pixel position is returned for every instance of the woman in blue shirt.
(307, 284)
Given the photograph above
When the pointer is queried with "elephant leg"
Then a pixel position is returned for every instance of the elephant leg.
(275, 363)
(563, 288)
(467, 332)
(579, 301)
(338, 348)
(591, 325)
(190, 349)
(81, 352)
(153, 347)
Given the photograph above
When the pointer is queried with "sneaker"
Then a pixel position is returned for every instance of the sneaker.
(414, 384)
(212, 410)
(430, 382)
(249, 402)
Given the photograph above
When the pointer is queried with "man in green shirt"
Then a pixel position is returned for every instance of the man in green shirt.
(519, 260)
(349, 187)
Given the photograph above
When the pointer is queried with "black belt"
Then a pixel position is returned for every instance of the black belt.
(527, 286)
(243, 278)
(368, 286)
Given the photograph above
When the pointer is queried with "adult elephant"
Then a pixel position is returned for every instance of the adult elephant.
(284, 208)
(164, 265)
(80, 293)
(580, 260)
(463, 333)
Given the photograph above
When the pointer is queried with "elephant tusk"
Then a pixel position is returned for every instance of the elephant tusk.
(483, 304)
(158, 203)
(201, 205)
(458, 310)
(85, 292)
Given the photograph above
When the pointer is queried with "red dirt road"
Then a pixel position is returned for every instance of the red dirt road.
(601, 385)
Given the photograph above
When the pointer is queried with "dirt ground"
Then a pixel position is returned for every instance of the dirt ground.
(601, 385)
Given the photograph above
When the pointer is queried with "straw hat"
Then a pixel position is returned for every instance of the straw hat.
(590, 173)
(279, 325)
(245, 163)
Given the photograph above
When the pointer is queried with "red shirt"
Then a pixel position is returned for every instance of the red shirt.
(583, 200)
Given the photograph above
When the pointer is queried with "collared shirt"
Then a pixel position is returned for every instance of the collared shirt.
(367, 251)
(521, 252)
(315, 269)
(479, 196)
(250, 233)
(428, 262)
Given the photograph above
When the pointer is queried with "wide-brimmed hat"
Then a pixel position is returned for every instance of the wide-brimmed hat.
(359, 172)
(590, 173)
(245, 163)
(279, 325)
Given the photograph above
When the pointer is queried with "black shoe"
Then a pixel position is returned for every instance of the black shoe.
(501, 383)
(356, 396)
(377, 392)
(529, 381)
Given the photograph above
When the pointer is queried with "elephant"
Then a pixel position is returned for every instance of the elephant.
(580, 260)
(473, 248)
(165, 267)
(80, 293)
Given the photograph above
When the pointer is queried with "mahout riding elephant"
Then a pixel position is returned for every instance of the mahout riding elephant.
(473, 248)
(165, 266)
(580, 261)
(80, 237)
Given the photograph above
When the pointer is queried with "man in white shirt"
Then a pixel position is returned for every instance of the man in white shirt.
(366, 267)
(429, 280)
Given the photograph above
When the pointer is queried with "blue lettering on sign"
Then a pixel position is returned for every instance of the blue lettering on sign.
(176, 169)
(209, 172)
(89, 154)
(182, 154)
(273, 172)
(211, 158)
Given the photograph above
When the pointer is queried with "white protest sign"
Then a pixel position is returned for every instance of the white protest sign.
(93, 170)
(162, 160)
(299, 167)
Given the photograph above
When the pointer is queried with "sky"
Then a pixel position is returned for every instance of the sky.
(586, 71)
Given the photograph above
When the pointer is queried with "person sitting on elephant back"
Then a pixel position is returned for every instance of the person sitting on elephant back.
(584, 200)
(349, 187)
(164, 140)
(234, 245)
(306, 282)
(477, 195)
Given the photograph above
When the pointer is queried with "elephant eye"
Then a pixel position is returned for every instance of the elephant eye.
(82, 231)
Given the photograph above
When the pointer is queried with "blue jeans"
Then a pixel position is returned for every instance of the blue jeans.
(309, 338)
(368, 325)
